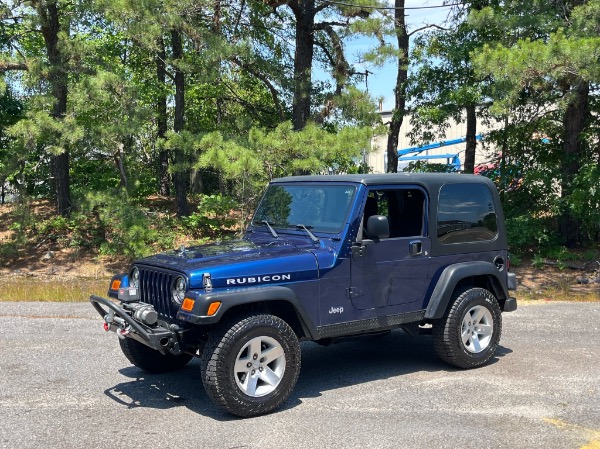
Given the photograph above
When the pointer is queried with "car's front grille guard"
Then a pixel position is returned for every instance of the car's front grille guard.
(155, 289)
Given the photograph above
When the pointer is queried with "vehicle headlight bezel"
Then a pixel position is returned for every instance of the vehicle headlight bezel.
(134, 277)
(179, 289)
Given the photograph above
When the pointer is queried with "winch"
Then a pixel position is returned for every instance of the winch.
(143, 312)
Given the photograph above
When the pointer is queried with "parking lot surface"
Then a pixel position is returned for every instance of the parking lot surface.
(65, 384)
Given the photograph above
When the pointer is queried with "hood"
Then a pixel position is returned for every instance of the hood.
(240, 262)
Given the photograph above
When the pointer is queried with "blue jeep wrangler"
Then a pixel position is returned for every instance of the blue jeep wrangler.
(324, 258)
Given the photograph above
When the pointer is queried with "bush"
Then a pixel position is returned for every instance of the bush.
(124, 227)
(214, 217)
(526, 233)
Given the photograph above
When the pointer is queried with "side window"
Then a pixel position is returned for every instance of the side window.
(466, 214)
(404, 209)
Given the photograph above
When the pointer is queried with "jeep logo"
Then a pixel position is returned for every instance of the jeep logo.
(258, 279)
(336, 310)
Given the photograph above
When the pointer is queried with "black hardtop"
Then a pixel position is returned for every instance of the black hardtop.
(432, 183)
(424, 179)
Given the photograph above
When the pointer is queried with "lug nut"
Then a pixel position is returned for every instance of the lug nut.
(260, 369)
(248, 364)
(253, 371)
(255, 356)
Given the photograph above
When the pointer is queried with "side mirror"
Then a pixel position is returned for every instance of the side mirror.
(378, 227)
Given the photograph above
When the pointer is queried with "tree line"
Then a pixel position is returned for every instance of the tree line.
(184, 97)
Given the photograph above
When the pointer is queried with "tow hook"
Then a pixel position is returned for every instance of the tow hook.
(123, 332)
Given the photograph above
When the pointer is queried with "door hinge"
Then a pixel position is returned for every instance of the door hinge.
(415, 247)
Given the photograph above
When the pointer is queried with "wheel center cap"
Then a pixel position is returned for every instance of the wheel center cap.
(255, 364)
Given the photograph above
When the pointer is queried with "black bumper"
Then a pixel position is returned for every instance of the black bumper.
(116, 319)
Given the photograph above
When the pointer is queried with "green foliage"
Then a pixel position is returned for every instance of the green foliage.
(249, 165)
(124, 227)
(526, 233)
(8, 250)
(537, 261)
(11, 111)
(428, 167)
(518, 61)
(585, 199)
(214, 218)
(444, 82)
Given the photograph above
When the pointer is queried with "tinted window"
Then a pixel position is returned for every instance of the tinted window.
(321, 208)
(403, 208)
(466, 214)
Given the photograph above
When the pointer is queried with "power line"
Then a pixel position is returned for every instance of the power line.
(352, 5)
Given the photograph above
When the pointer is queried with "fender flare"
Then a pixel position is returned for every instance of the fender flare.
(452, 275)
(242, 296)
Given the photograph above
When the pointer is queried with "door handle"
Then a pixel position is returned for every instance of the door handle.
(415, 247)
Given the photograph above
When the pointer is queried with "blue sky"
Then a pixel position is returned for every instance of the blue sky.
(383, 79)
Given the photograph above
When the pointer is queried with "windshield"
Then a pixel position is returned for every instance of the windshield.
(321, 208)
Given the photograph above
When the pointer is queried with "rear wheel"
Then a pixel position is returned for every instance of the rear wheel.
(250, 365)
(150, 360)
(468, 334)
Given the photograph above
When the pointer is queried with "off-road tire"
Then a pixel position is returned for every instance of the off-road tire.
(224, 348)
(449, 330)
(150, 360)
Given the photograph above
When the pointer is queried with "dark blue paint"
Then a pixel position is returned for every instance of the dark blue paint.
(333, 286)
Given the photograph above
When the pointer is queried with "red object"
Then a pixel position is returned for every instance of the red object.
(106, 327)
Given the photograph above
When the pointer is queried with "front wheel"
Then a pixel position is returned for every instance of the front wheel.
(151, 360)
(468, 334)
(250, 365)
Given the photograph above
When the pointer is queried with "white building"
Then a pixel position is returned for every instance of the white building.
(447, 146)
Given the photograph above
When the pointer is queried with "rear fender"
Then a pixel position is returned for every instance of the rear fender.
(453, 275)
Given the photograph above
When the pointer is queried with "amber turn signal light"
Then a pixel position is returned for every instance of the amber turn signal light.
(188, 304)
(115, 284)
(212, 309)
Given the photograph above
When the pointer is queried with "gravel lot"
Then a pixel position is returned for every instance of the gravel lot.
(65, 384)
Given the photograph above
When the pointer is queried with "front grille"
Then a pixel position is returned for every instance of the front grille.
(155, 289)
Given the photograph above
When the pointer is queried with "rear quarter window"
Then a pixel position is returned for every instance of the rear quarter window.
(465, 214)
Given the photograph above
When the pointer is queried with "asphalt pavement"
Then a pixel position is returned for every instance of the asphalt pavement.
(65, 384)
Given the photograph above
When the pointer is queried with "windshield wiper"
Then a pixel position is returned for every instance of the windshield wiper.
(270, 228)
(313, 237)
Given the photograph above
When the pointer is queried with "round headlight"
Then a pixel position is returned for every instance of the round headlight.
(134, 277)
(179, 287)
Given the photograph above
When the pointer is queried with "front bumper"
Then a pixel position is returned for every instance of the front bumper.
(116, 319)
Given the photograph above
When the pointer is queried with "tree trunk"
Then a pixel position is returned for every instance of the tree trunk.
(164, 180)
(400, 89)
(119, 159)
(58, 78)
(303, 58)
(180, 176)
(574, 123)
(471, 145)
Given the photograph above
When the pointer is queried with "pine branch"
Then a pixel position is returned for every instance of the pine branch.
(6, 66)
(427, 27)
(265, 81)
(321, 26)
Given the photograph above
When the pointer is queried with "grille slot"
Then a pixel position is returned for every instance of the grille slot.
(155, 289)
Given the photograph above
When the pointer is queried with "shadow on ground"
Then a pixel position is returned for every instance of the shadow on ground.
(323, 368)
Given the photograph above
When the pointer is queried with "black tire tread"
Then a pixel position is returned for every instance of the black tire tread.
(219, 346)
(445, 329)
(151, 360)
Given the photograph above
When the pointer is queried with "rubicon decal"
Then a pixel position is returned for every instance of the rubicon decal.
(259, 279)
